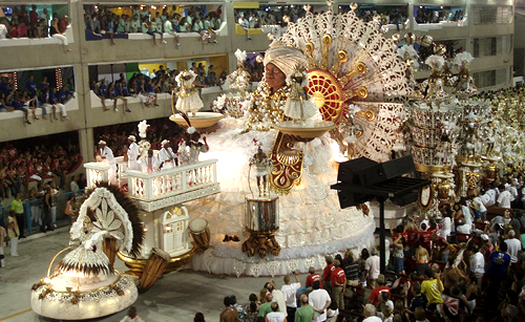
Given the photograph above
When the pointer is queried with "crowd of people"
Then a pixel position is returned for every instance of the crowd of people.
(432, 15)
(146, 88)
(152, 20)
(467, 266)
(31, 96)
(20, 165)
(37, 23)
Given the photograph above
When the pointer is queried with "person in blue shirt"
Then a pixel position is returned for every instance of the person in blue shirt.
(16, 102)
(31, 86)
(59, 99)
(44, 84)
(119, 94)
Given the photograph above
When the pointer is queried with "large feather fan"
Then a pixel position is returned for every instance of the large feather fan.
(113, 213)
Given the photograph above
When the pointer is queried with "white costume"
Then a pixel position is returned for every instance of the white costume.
(149, 164)
(188, 96)
(299, 105)
(504, 199)
(167, 158)
(109, 158)
(133, 156)
(318, 299)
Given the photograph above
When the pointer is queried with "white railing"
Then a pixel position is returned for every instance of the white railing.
(158, 184)
(96, 172)
(166, 183)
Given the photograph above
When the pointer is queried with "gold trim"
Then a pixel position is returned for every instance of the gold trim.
(112, 285)
(370, 115)
(432, 168)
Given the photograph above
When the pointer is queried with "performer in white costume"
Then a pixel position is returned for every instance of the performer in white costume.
(106, 155)
(133, 153)
(188, 100)
(167, 158)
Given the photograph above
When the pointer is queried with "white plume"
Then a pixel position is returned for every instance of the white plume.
(463, 57)
(241, 55)
(435, 61)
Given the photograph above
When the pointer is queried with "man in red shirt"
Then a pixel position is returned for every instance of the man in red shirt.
(327, 271)
(338, 280)
(376, 292)
(312, 278)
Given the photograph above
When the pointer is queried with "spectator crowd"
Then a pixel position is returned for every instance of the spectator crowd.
(152, 20)
(146, 88)
(466, 266)
(21, 164)
(36, 23)
(32, 96)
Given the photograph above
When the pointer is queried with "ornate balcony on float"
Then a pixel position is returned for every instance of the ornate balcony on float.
(159, 189)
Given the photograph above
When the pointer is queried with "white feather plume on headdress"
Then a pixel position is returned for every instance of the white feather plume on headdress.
(435, 61)
(241, 55)
(407, 50)
(463, 57)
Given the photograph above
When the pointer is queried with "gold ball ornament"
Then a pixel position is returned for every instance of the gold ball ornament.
(410, 38)
(426, 41)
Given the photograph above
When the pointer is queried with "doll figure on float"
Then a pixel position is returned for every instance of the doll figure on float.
(260, 162)
(299, 106)
(188, 100)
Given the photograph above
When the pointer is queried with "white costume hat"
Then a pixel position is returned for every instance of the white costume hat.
(102, 142)
(164, 142)
(132, 138)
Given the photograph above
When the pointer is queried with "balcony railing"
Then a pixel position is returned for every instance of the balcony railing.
(157, 189)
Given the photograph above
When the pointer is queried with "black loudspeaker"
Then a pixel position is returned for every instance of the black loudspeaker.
(406, 198)
(349, 199)
(379, 172)
(349, 171)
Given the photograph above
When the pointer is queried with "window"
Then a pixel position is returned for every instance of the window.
(484, 15)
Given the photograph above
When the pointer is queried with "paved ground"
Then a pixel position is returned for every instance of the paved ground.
(175, 297)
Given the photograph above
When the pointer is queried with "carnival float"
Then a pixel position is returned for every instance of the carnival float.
(259, 202)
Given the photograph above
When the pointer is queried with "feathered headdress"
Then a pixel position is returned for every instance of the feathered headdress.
(435, 61)
(241, 55)
(464, 57)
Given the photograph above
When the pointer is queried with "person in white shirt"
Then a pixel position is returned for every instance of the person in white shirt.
(167, 158)
(106, 155)
(489, 198)
(278, 296)
(320, 300)
(463, 227)
(512, 187)
(369, 314)
(290, 289)
(3, 31)
(275, 315)
(504, 198)
(513, 246)
(372, 269)
(477, 264)
(133, 153)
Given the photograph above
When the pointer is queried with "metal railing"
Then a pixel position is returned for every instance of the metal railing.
(33, 212)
